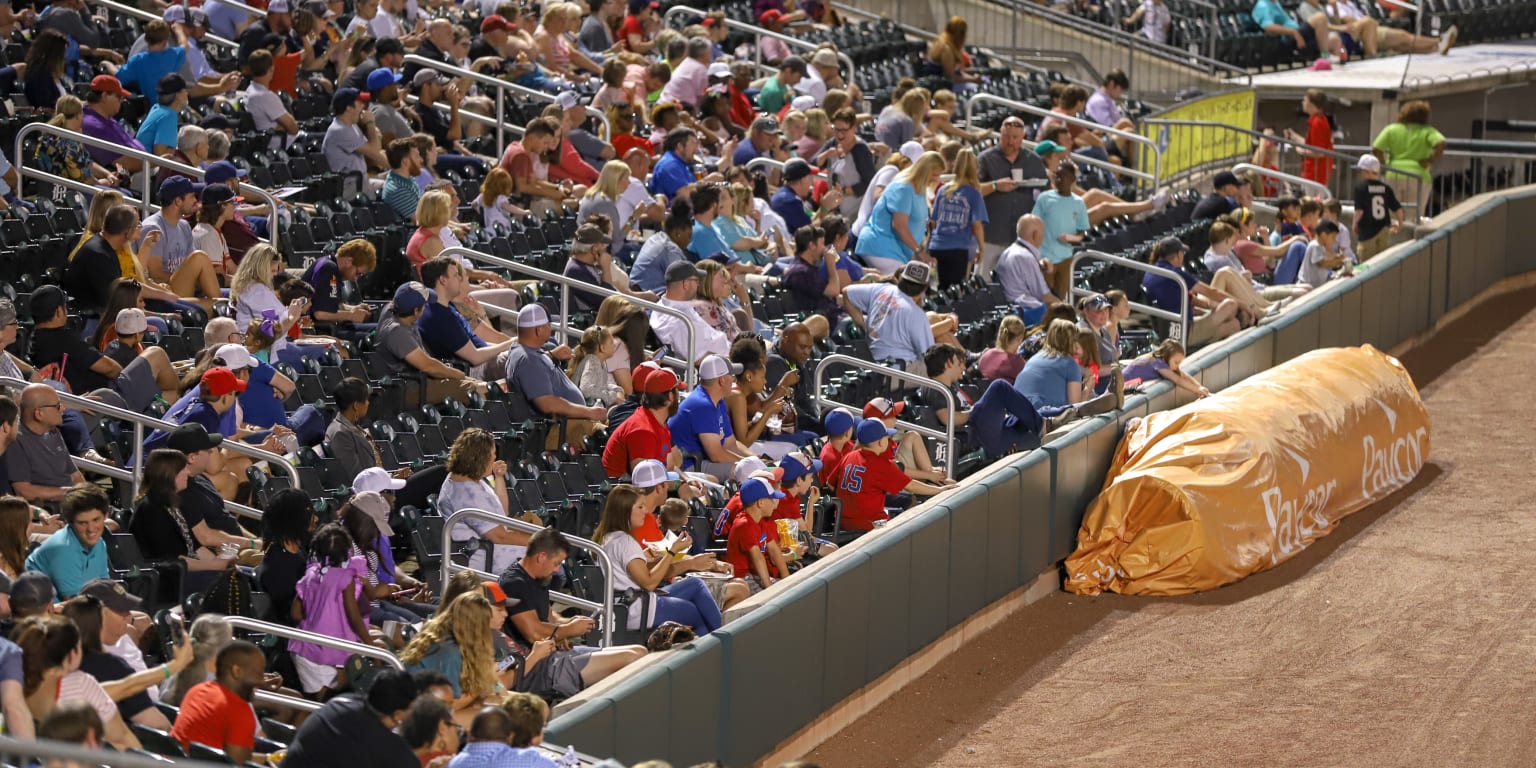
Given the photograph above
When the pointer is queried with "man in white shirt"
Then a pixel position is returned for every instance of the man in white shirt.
(266, 107)
(1018, 271)
(682, 286)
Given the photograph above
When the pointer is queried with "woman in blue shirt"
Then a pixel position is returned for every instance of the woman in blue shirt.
(1051, 379)
(899, 221)
(958, 216)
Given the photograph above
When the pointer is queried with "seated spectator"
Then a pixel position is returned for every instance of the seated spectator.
(405, 164)
(762, 419)
(163, 532)
(102, 613)
(787, 361)
(445, 332)
(40, 468)
(530, 176)
(218, 713)
(171, 259)
(345, 439)
(1220, 201)
(1002, 360)
(354, 259)
(673, 175)
(893, 316)
(65, 157)
(471, 462)
(401, 349)
(591, 263)
(75, 723)
(685, 600)
(1209, 314)
(866, 476)
(682, 285)
(50, 647)
(646, 435)
(430, 730)
(255, 300)
(1052, 380)
(191, 149)
(814, 286)
(533, 372)
(792, 201)
(565, 671)
(701, 428)
(77, 553)
(663, 249)
(352, 141)
(456, 644)
(265, 105)
(217, 210)
(358, 728)
(589, 367)
(1001, 421)
(161, 126)
(1230, 276)
(216, 394)
(1020, 273)
(102, 106)
(1311, 40)
(778, 89)
(489, 743)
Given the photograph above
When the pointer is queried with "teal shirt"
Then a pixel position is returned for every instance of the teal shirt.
(773, 96)
(1267, 12)
(444, 659)
(1063, 215)
(69, 564)
(729, 232)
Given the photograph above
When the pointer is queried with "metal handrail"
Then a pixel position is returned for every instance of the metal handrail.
(778, 165)
(759, 33)
(77, 755)
(948, 435)
(1135, 41)
(502, 87)
(1339, 153)
(292, 633)
(554, 597)
(1182, 320)
(689, 366)
(128, 10)
(1118, 170)
(149, 158)
(1322, 190)
(473, 117)
(140, 421)
(1135, 138)
(591, 547)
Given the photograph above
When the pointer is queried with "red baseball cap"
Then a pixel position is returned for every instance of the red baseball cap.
(642, 372)
(882, 408)
(221, 381)
(109, 84)
(769, 16)
(492, 23)
(495, 594)
(661, 380)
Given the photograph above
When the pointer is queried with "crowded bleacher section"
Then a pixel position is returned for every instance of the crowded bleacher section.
(369, 322)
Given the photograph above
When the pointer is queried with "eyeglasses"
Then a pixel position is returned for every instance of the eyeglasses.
(51, 405)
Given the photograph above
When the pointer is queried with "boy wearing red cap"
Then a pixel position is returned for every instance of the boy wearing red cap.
(908, 448)
(752, 548)
(868, 475)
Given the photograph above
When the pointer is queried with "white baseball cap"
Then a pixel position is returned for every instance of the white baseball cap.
(131, 320)
(567, 100)
(374, 505)
(715, 366)
(650, 473)
(745, 468)
(375, 479)
(803, 102)
(1369, 163)
(532, 316)
(235, 356)
(911, 150)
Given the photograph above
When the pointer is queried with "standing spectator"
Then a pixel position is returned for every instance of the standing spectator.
(1155, 20)
(358, 729)
(1020, 273)
(1003, 169)
(1315, 166)
(1411, 145)
(899, 220)
(1066, 222)
(76, 553)
(328, 600)
(959, 218)
(1377, 212)
(893, 316)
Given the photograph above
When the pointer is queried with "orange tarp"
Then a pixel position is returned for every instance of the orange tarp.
(1239, 482)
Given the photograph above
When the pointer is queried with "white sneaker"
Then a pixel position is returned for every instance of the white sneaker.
(1448, 39)
(1160, 200)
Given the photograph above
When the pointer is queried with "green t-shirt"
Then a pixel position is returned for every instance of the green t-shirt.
(1406, 145)
(772, 97)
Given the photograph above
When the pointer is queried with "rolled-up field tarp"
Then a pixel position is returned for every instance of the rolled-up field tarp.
(1241, 481)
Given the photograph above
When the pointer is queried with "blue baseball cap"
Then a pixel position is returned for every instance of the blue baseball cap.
(411, 296)
(382, 78)
(871, 430)
(223, 171)
(177, 186)
(838, 421)
(797, 465)
(756, 489)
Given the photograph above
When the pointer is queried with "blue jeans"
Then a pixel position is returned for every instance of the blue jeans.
(1003, 418)
(294, 354)
(260, 226)
(687, 601)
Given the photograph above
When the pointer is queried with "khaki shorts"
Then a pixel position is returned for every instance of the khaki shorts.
(1204, 330)
(1373, 246)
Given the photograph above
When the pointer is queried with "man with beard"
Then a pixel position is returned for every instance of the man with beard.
(645, 434)
(218, 712)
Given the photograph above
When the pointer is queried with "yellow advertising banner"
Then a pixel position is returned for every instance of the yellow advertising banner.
(1242, 481)
(1186, 147)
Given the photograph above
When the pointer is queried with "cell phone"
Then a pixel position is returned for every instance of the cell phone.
(507, 663)
(666, 349)
(178, 632)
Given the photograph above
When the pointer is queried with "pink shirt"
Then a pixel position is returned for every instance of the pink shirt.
(688, 83)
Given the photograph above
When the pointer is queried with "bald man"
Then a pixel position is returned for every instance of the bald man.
(1019, 271)
(786, 366)
(40, 466)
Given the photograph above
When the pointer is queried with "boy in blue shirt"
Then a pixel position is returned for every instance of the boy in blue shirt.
(159, 130)
(1066, 220)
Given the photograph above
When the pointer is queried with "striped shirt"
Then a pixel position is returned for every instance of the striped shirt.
(402, 195)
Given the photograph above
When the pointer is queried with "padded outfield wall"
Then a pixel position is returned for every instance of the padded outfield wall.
(766, 679)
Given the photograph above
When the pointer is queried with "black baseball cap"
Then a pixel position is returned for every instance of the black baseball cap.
(31, 591)
(45, 301)
(1169, 246)
(1224, 179)
(191, 438)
